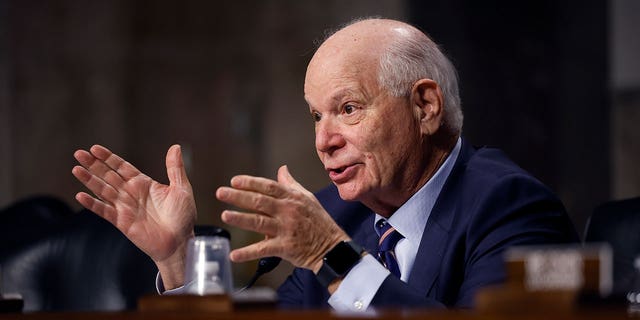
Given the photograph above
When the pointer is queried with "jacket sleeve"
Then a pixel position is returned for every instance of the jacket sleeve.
(302, 291)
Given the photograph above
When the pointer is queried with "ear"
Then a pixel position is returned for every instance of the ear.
(427, 99)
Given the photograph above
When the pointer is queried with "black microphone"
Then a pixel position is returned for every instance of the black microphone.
(265, 265)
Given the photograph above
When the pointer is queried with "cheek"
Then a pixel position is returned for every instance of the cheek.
(390, 145)
(377, 153)
(382, 139)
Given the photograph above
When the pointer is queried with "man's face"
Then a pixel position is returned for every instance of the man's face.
(368, 140)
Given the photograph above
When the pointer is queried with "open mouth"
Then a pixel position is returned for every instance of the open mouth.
(342, 174)
(339, 170)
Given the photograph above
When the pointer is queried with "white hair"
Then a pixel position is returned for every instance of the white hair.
(409, 58)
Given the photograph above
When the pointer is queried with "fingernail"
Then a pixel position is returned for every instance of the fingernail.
(227, 216)
(233, 256)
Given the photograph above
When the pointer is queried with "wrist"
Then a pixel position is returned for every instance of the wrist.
(338, 261)
(325, 248)
(172, 268)
(171, 277)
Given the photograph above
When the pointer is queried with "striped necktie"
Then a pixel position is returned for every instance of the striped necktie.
(389, 237)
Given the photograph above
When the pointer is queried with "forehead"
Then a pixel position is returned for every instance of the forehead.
(348, 61)
(331, 88)
(336, 71)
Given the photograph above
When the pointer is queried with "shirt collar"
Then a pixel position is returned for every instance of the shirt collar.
(411, 218)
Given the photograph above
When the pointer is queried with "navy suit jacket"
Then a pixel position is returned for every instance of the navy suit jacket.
(487, 205)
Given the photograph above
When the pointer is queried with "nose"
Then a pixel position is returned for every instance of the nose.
(328, 136)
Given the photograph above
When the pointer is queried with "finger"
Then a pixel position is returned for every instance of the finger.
(252, 222)
(175, 167)
(125, 169)
(98, 186)
(98, 207)
(285, 178)
(84, 158)
(248, 200)
(259, 185)
(261, 249)
(98, 168)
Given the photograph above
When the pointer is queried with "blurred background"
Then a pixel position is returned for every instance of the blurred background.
(556, 84)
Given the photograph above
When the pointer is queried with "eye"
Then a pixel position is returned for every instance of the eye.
(316, 116)
(349, 109)
(352, 113)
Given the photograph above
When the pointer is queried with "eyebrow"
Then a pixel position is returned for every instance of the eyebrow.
(341, 93)
(337, 96)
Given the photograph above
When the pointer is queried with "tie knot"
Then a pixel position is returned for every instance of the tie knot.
(389, 236)
(382, 226)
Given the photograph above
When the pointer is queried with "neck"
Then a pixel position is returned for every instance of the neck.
(436, 153)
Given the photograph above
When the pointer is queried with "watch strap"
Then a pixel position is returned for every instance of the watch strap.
(326, 275)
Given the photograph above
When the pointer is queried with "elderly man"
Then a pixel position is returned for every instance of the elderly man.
(415, 216)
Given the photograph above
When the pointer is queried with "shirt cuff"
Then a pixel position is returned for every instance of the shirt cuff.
(359, 286)
(162, 291)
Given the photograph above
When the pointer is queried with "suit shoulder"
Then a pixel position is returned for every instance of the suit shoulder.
(493, 161)
(493, 166)
(487, 174)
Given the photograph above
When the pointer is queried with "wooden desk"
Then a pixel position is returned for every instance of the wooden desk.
(492, 304)
(601, 314)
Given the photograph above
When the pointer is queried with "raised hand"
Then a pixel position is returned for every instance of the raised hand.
(295, 225)
(157, 218)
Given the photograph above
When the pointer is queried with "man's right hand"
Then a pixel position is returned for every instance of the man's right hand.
(157, 218)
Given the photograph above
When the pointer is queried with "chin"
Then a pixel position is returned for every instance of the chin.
(349, 192)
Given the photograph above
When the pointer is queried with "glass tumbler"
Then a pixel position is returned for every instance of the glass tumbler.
(208, 269)
(633, 296)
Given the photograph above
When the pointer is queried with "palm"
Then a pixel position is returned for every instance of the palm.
(157, 218)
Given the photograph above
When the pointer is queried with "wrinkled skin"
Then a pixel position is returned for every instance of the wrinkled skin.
(157, 218)
(295, 225)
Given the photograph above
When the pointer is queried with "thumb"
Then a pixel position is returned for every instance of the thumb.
(285, 177)
(175, 167)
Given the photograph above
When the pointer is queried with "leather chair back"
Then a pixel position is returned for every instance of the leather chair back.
(618, 224)
(64, 261)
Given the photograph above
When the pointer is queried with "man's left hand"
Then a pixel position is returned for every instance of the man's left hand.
(295, 225)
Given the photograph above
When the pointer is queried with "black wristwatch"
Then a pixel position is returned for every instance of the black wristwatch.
(338, 261)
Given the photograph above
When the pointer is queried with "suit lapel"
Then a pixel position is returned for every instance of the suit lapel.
(427, 265)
